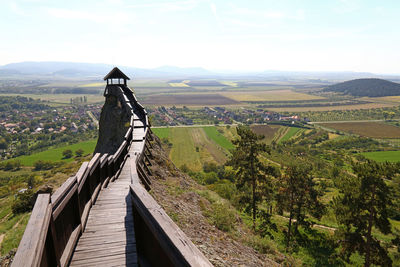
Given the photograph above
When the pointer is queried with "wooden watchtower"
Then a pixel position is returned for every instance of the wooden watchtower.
(115, 76)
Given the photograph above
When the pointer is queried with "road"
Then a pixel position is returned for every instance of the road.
(95, 121)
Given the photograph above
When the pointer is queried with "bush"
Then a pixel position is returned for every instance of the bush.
(224, 218)
(67, 154)
(23, 202)
(79, 152)
(43, 165)
(11, 165)
(210, 178)
(224, 188)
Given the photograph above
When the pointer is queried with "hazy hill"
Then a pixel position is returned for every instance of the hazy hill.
(57, 69)
(366, 87)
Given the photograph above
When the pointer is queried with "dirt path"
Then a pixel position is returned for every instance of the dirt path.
(5, 217)
(314, 225)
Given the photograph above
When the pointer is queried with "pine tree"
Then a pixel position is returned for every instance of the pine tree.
(299, 196)
(364, 204)
(251, 174)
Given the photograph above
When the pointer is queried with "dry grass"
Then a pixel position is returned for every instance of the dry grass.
(368, 129)
(178, 85)
(269, 96)
(330, 108)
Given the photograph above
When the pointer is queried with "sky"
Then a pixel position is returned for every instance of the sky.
(246, 35)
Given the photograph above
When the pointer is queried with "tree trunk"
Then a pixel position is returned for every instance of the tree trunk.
(289, 229)
(254, 203)
(290, 221)
(369, 233)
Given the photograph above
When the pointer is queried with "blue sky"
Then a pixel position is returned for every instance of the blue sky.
(318, 35)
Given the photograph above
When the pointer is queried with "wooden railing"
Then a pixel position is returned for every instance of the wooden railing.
(57, 221)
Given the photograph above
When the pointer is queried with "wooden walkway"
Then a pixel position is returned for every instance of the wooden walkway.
(109, 238)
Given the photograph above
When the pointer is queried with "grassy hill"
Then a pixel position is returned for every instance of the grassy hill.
(366, 87)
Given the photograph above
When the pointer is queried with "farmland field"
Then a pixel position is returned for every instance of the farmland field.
(218, 138)
(289, 134)
(62, 98)
(381, 156)
(330, 108)
(55, 154)
(161, 132)
(268, 131)
(367, 129)
(188, 99)
(178, 85)
(265, 96)
(193, 146)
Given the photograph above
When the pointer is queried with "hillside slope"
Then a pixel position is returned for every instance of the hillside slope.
(187, 203)
(366, 87)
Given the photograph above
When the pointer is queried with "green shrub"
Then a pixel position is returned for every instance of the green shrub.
(210, 178)
(43, 165)
(224, 188)
(67, 154)
(23, 202)
(223, 217)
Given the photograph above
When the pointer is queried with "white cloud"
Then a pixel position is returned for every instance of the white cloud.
(168, 6)
(16, 9)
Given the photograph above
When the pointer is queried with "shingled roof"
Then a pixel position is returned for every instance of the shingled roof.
(116, 73)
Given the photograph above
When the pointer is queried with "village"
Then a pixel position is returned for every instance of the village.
(173, 116)
(31, 126)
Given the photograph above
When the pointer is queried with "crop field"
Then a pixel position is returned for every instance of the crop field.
(290, 133)
(178, 85)
(269, 96)
(55, 154)
(193, 146)
(93, 85)
(188, 99)
(269, 131)
(382, 156)
(218, 138)
(331, 108)
(394, 99)
(161, 132)
(367, 129)
(62, 98)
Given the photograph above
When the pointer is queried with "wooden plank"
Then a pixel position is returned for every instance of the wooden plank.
(62, 190)
(85, 213)
(93, 163)
(103, 160)
(96, 192)
(82, 172)
(64, 201)
(66, 256)
(31, 247)
(170, 237)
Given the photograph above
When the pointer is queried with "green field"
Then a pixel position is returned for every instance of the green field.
(290, 133)
(55, 154)
(218, 138)
(193, 146)
(381, 156)
(161, 132)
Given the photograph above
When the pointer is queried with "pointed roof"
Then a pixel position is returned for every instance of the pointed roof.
(116, 73)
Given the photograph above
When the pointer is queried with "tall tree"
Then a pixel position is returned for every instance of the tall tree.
(251, 173)
(299, 196)
(364, 204)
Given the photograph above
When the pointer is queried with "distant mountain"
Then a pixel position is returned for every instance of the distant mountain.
(56, 70)
(366, 87)
(72, 69)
